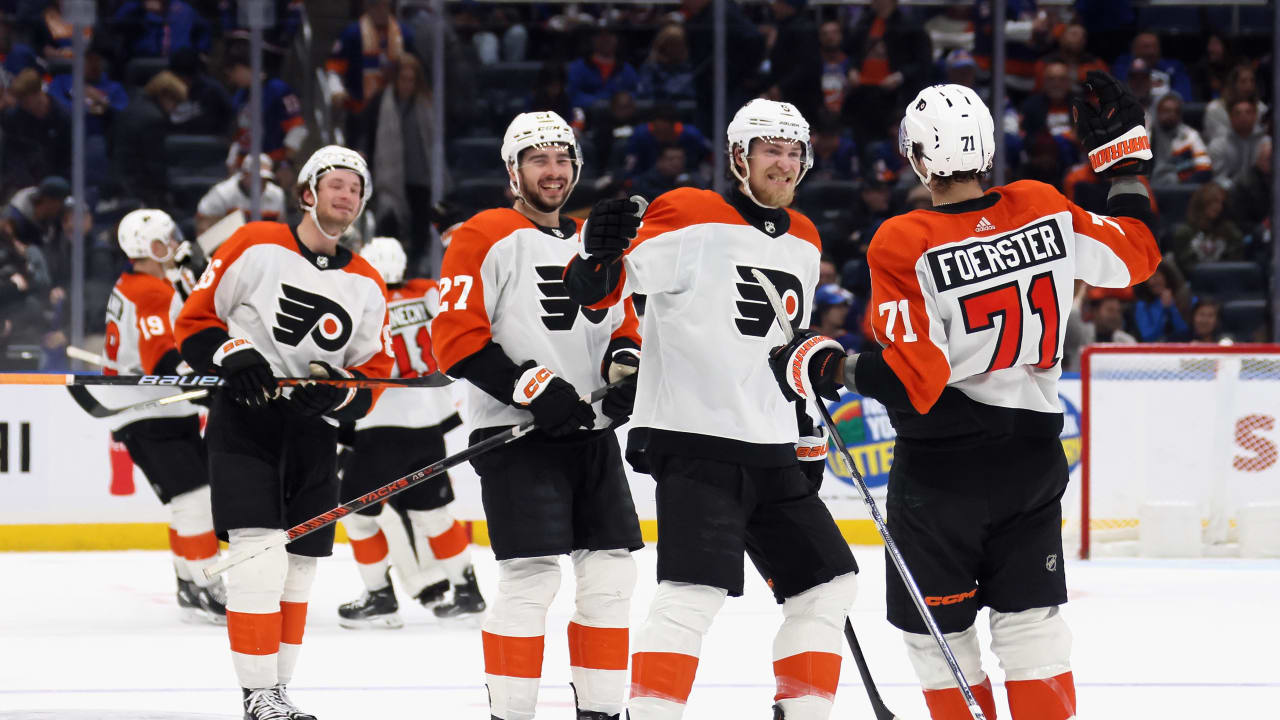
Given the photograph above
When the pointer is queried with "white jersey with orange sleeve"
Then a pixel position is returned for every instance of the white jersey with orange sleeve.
(973, 298)
(704, 387)
(501, 286)
(295, 306)
(139, 338)
(411, 308)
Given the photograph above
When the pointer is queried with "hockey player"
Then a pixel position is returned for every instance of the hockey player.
(507, 326)
(970, 300)
(404, 433)
(288, 302)
(736, 469)
(165, 441)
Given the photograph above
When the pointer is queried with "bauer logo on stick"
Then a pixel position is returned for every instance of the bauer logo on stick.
(302, 312)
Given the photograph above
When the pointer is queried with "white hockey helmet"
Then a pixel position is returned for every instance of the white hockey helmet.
(140, 228)
(334, 157)
(539, 129)
(386, 256)
(954, 130)
(772, 120)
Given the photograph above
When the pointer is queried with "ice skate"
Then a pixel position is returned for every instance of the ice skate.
(466, 601)
(433, 594)
(374, 609)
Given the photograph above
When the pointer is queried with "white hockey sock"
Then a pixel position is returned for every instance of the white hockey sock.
(369, 546)
(191, 520)
(514, 634)
(667, 647)
(293, 612)
(807, 648)
(254, 588)
(179, 562)
(598, 630)
(447, 539)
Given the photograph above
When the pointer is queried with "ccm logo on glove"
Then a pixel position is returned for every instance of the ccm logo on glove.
(532, 382)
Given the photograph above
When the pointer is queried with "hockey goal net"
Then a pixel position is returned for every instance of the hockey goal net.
(1172, 425)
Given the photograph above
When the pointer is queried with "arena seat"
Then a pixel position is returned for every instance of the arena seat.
(139, 70)
(204, 155)
(1229, 280)
(477, 156)
(1244, 318)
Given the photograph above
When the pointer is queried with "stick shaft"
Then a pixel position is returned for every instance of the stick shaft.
(207, 381)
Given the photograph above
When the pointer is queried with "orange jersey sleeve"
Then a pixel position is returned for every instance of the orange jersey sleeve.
(462, 326)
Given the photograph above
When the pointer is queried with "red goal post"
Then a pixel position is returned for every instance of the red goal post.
(1185, 423)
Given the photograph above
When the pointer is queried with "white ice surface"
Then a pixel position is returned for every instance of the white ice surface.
(100, 631)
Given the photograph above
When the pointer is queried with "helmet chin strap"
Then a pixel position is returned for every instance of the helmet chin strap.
(745, 184)
(315, 200)
(517, 188)
(925, 176)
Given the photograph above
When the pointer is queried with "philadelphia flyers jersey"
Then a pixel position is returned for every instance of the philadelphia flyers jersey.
(295, 306)
(501, 284)
(139, 338)
(705, 386)
(411, 307)
(973, 298)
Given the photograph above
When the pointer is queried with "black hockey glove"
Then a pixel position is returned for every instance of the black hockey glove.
(1114, 133)
(612, 226)
(808, 364)
(811, 448)
(246, 375)
(557, 409)
(621, 398)
(316, 399)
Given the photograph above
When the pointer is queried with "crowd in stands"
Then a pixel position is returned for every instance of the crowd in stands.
(167, 83)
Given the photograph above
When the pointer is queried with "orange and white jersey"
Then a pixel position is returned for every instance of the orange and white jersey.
(975, 297)
(705, 386)
(411, 308)
(501, 282)
(139, 337)
(295, 306)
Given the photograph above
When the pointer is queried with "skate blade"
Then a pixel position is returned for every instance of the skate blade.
(391, 621)
(199, 616)
(465, 620)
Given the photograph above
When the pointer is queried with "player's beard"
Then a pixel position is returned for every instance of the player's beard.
(767, 193)
(532, 195)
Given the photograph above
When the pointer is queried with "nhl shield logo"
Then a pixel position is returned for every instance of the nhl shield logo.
(769, 227)
(1051, 562)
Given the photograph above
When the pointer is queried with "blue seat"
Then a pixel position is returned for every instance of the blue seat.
(1229, 280)
(1246, 319)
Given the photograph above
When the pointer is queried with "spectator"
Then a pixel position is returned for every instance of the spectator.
(891, 60)
(1028, 35)
(34, 214)
(667, 76)
(207, 109)
(835, 65)
(1106, 325)
(1206, 323)
(1141, 85)
(138, 158)
(283, 129)
(744, 54)
(24, 294)
(235, 193)
(951, 29)
(551, 92)
(1209, 74)
(831, 309)
(52, 35)
(611, 133)
(600, 74)
(513, 45)
(1208, 235)
(399, 144)
(1232, 154)
(1180, 155)
(15, 56)
(827, 271)
(919, 198)
(1073, 52)
(36, 135)
(795, 62)
(1166, 74)
(1161, 300)
(669, 172)
(1249, 203)
(104, 99)
(1108, 321)
(1049, 110)
(834, 155)
(1242, 82)
(156, 28)
(663, 129)
(357, 65)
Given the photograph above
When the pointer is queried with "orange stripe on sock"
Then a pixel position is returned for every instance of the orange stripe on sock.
(949, 704)
(807, 673)
(449, 543)
(663, 675)
(371, 549)
(597, 648)
(199, 547)
(174, 542)
(1049, 699)
(293, 620)
(254, 633)
(513, 656)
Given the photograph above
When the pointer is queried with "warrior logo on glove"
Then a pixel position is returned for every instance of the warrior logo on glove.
(1114, 131)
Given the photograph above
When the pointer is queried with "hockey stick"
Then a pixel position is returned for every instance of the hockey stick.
(882, 711)
(76, 353)
(90, 404)
(284, 537)
(208, 381)
(780, 314)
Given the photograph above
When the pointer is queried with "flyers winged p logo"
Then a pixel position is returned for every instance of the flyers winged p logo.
(301, 313)
(754, 314)
(560, 312)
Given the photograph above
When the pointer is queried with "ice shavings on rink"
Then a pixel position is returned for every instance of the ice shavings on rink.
(100, 632)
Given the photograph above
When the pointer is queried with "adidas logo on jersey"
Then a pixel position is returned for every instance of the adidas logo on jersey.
(301, 312)
(984, 225)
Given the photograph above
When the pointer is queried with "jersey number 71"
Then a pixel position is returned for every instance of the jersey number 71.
(1005, 301)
